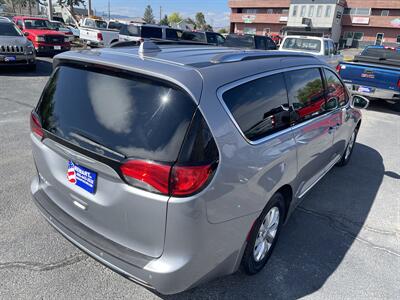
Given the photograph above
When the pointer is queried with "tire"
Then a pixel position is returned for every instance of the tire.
(396, 106)
(253, 260)
(348, 152)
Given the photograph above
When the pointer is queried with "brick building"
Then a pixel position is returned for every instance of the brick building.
(361, 22)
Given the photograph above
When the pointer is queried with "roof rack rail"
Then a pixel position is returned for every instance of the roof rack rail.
(156, 41)
(252, 55)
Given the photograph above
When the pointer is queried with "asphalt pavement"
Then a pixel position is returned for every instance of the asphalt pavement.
(343, 242)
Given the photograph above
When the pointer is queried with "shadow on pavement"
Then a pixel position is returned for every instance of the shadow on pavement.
(44, 67)
(315, 239)
(383, 106)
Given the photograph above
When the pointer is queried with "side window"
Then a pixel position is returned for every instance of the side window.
(306, 94)
(212, 38)
(336, 95)
(271, 44)
(259, 107)
(20, 24)
(260, 43)
(331, 48)
(220, 39)
(326, 48)
(171, 34)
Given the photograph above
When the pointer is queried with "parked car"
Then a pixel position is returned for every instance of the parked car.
(250, 41)
(95, 33)
(136, 32)
(323, 48)
(185, 166)
(45, 39)
(5, 19)
(375, 74)
(207, 37)
(15, 48)
(58, 26)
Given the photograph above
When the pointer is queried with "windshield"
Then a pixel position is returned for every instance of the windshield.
(8, 29)
(382, 53)
(240, 41)
(114, 25)
(37, 24)
(302, 44)
(101, 24)
(56, 25)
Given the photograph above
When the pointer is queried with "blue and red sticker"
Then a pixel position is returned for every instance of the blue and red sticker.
(82, 177)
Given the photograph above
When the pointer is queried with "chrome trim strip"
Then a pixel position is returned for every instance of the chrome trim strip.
(333, 163)
(221, 90)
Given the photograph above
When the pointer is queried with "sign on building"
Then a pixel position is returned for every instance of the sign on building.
(248, 18)
(360, 20)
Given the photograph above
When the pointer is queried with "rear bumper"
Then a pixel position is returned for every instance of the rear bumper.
(376, 93)
(191, 254)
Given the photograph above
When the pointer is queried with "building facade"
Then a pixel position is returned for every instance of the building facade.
(349, 22)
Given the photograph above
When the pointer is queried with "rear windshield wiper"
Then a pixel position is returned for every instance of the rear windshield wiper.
(93, 143)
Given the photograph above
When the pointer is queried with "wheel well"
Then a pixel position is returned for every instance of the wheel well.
(113, 41)
(287, 193)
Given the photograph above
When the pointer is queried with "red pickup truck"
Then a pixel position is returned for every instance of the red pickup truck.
(45, 39)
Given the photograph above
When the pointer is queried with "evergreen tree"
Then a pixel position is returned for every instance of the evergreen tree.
(164, 21)
(148, 16)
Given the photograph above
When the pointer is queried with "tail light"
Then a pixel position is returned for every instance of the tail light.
(338, 68)
(194, 168)
(36, 127)
(165, 179)
(99, 36)
(398, 83)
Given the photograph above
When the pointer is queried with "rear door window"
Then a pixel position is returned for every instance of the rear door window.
(260, 43)
(172, 34)
(113, 114)
(306, 94)
(259, 107)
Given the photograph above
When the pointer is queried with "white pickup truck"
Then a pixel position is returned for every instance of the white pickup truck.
(323, 48)
(95, 33)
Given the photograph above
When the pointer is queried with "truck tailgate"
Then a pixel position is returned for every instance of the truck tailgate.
(371, 75)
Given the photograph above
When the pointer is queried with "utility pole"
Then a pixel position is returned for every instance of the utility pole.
(160, 12)
(109, 14)
(50, 10)
(89, 8)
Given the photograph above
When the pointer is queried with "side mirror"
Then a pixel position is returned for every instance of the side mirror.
(26, 33)
(360, 102)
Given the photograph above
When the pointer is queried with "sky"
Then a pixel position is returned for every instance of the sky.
(215, 11)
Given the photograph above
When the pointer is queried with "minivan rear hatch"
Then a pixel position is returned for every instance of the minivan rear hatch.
(94, 120)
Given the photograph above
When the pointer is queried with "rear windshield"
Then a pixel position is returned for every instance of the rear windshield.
(382, 53)
(302, 44)
(244, 41)
(113, 115)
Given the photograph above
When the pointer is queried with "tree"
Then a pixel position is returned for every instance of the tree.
(223, 30)
(71, 3)
(148, 16)
(174, 18)
(191, 22)
(200, 21)
(164, 21)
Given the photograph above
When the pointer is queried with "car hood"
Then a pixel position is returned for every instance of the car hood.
(44, 32)
(13, 40)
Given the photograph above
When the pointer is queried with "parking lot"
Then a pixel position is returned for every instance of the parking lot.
(343, 241)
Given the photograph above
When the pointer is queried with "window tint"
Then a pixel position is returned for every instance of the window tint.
(326, 46)
(220, 39)
(151, 32)
(306, 94)
(260, 43)
(258, 106)
(335, 91)
(240, 41)
(302, 44)
(108, 112)
(9, 29)
(270, 44)
(212, 38)
(171, 34)
(194, 36)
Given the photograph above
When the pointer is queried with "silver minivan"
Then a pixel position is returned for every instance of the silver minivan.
(175, 164)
